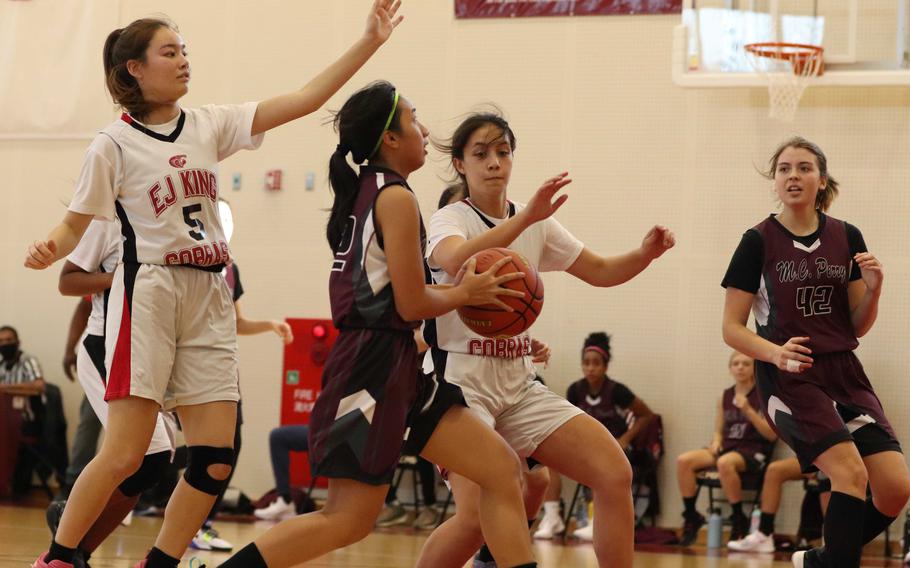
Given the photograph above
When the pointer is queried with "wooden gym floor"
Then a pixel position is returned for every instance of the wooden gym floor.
(23, 535)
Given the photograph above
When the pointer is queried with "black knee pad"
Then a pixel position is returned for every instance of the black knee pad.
(199, 458)
(148, 474)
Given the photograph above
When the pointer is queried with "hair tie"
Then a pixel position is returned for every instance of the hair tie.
(605, 354)
(388, 123)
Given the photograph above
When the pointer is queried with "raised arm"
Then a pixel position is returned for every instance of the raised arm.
(399, 218)
(452, 252)
(864, 293)
(276, 111)
(605, 272)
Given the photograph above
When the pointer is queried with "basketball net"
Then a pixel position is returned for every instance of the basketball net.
(788, 68)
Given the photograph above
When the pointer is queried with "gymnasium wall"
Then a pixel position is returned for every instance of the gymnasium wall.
(589, 95)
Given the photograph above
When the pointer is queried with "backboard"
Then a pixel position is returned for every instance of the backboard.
(865, 41)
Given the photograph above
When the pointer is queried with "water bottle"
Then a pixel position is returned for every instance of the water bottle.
(755, 522)
(715, 529)
(581, 514)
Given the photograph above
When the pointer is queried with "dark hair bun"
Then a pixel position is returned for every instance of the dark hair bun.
(598, 339)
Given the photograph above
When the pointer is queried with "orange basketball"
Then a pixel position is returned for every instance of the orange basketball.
(492, 321)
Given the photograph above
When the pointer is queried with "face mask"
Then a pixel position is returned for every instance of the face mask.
(9, 350)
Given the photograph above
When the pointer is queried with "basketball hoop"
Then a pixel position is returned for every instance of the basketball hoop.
(788, 67)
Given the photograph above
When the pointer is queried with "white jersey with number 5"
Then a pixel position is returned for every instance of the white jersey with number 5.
(161, 182)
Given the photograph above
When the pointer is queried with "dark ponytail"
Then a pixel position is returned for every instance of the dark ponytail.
(599, 342)
(360, 125)
(121, 46)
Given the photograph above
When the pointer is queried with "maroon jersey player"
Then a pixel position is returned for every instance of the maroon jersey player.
(814, 290)
(373, 397)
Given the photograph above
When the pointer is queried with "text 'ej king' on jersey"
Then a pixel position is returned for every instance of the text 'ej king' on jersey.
(161, 182)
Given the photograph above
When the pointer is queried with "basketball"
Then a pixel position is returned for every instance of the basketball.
(492, 321)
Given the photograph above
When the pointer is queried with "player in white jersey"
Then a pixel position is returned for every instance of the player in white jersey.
(89, 269)
(170, 334)
(496, 375)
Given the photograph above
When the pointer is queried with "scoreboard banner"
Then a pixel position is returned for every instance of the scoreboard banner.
(532, 8)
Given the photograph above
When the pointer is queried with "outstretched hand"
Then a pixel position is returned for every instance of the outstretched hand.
(541, 204)
(41, 254)
(382, 20)
(658, 241)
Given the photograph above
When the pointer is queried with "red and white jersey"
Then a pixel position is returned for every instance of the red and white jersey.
(98, 251)
(547, 245)
(161, 182)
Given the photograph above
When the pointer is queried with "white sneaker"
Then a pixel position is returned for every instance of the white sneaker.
(755, 542)
(208, 539)
(279, 510)
(127, 520)
(585, 533)
(798, 558)
(550, 526)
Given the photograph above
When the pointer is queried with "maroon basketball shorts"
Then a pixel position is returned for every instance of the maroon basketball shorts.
(359, 421)
(830, 403)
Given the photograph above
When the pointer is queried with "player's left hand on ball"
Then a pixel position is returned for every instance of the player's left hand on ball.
(382, 20)
(871, 270)
(540, 352)
(41, 254)
(658, 241)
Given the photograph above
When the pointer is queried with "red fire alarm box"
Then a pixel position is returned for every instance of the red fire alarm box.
(302, 380)
(273, 180)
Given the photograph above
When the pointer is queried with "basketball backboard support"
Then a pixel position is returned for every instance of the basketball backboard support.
(866, 41)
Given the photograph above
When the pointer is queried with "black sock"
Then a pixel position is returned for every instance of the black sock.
(61, 553)
(737, 509)
(286, 497)
(844, 529)
(766, 525)
(689, 505)
(874, 522)
(247, 557)
(85, 554)
(157, 559)
(484, 554)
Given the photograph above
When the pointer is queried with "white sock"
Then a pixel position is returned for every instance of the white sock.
(551, 508)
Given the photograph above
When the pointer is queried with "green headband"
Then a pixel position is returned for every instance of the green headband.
(387, 123)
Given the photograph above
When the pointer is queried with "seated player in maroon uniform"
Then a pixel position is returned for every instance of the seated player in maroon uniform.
(814, 287)
(610, 402)
(742, 442)
(777, 473)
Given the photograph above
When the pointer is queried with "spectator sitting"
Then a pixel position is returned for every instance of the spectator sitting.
(742, 442)
(22, 379)
(282, 441)
(611, 403)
